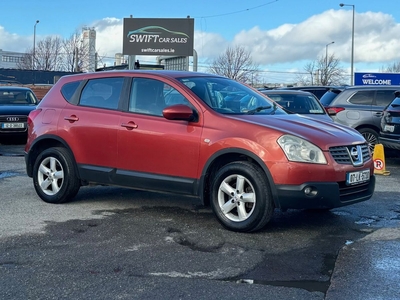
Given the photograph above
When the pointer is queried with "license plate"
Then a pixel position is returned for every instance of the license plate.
(389, 128)
(357, 177)
(12, 125)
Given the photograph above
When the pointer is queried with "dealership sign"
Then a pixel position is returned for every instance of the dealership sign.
(172, 37)
(376, 78)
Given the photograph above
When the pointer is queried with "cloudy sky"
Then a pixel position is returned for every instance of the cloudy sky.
(282, 35)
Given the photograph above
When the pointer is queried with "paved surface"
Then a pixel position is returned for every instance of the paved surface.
(178, 251)
(370, 267)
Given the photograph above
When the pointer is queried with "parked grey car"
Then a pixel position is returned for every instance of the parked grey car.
(360, 107)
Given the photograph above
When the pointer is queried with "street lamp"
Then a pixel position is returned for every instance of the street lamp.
(326, 54)
(352, 42)
(34, 44)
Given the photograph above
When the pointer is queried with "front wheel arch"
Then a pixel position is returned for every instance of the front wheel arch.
(223, 157)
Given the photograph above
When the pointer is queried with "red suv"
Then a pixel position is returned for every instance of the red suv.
(193, 134)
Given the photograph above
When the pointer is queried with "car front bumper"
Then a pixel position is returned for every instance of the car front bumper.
(323, 195)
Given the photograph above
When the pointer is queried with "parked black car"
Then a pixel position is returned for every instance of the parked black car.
(299, 102)
(15, 105)
(390, 124)
(317, 90)
(360, 107)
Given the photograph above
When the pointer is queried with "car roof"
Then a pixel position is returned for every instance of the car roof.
(372, 87)
(11, 87)
(162, 73)
(311, 87)
(287, 92)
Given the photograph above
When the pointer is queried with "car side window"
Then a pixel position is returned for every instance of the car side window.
(150, 96)
(172, 96)
(102, 92)
(383, 98)
(362, 98)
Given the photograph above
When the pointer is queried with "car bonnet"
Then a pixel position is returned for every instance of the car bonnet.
(324, 134)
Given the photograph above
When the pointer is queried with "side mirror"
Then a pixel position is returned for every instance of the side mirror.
(179, 112)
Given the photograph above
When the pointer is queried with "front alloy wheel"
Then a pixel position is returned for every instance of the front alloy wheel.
(236, 198)
(241, 198)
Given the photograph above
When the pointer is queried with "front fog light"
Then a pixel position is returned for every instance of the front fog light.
(310, 191)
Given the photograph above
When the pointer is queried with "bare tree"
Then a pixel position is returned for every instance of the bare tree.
(324, 71)
(55, 54)
(392, 68)
(26, 62)
(48, 54)
(75, 53)
(235, 63)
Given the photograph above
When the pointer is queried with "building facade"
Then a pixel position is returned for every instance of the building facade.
(9, 59)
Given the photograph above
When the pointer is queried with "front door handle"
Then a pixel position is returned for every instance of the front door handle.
(130, 125)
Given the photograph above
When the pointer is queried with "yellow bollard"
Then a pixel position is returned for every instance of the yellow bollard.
(379, 160)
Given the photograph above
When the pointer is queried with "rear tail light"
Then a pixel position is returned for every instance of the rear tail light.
(32, 115)
(334, 110)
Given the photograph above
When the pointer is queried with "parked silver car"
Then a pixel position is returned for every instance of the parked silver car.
(360, 107)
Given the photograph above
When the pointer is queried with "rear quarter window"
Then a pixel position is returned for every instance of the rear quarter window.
(69, 89)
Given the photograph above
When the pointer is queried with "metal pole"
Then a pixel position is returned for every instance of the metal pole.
(326, 54)
(352, 50)
(34, 44)
(352, 41)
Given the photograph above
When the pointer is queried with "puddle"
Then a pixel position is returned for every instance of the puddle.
(308, 285)
(11, 154)
(7, 174)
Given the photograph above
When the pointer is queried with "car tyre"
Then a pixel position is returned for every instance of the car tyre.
(54, 176)
(371, 136)
(241, 197)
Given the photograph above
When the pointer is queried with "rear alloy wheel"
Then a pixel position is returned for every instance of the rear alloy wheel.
(241, 198)
(54, 176)
(371, 136)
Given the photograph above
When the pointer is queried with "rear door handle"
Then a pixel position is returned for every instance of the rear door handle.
(72, 118)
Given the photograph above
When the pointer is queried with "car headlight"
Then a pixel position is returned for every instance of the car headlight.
(298, 149)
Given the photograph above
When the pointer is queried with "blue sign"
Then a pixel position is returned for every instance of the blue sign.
(376, 78)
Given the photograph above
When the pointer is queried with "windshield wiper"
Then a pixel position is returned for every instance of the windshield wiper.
(257, 109)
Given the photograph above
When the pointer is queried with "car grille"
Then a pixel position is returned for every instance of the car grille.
(347, 193)
(20, 118)
(342, 154)
(13, 119)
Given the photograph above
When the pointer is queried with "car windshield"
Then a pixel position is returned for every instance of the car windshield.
(17, 97)
(297, 103)
(228, 96)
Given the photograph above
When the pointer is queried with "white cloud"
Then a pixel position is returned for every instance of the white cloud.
(376, 40)
(13, 42)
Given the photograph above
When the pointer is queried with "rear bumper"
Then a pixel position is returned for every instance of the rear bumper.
(324, 195)
(392, 142)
